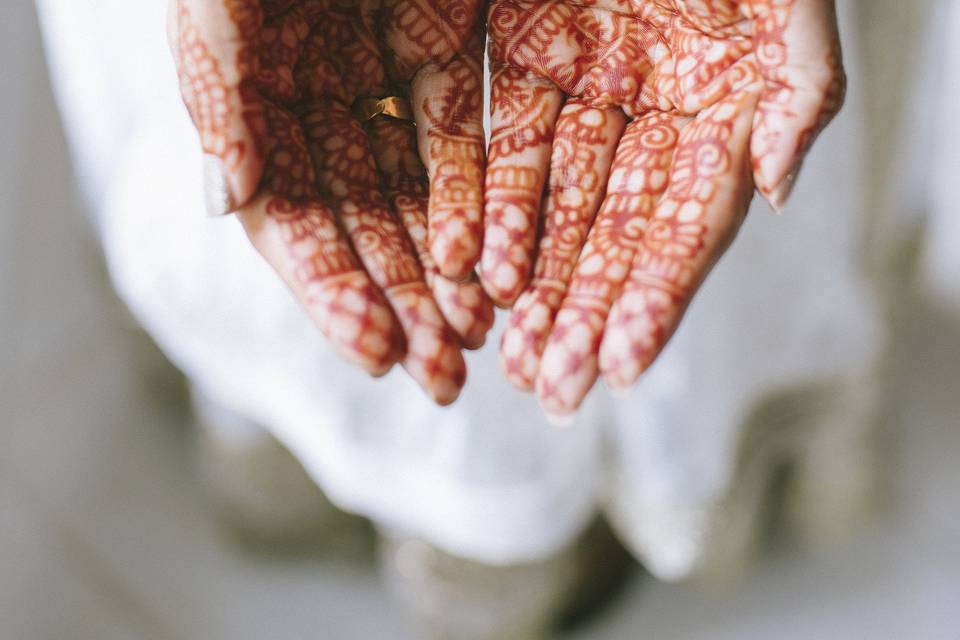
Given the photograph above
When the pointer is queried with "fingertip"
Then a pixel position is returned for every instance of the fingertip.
(433, 355)
(475, 337)
(564, 380)
(621, 360)
(515, 361)
(616, 391)
(467, 310)
(445, 394)
(441, 374)
(503, 282)
(620, 380)
(502, 299)
(455, 218)
(455, 254)
(779, 196)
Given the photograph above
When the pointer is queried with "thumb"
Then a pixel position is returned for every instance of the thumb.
(798, 53)
(214, 46)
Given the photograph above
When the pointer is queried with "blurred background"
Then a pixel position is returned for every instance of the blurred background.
(116, 520)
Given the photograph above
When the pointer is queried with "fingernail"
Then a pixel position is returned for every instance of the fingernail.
(782, 192)
(217, 193)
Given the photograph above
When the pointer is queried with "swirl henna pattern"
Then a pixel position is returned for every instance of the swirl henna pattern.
(630, 134)
(341, 208)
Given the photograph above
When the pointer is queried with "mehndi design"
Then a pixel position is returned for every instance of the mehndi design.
(340, 208)
(628, 135)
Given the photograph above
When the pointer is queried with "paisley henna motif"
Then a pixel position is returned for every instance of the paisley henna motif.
(275, 79)
(704, 82)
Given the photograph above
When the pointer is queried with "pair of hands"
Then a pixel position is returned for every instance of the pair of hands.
(628, 138)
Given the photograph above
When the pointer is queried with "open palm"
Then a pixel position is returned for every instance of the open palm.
(629, 136)
(341, 208)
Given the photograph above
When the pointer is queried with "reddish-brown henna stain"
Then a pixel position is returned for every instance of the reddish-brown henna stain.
(452, 119)
(465, 306)
(687, 72)
(581, 151)
(523, 127)
(205, 91)
(300, 65)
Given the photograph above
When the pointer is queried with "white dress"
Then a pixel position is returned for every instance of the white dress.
(789, 309)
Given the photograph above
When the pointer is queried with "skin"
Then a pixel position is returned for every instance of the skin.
(628, 139)
(376, 225)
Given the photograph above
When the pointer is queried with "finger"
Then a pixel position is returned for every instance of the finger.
(448, 106)
(465, 306)
(798, 52)
(583, 149)
(214, 45)
(347, 175)
(524, 113)
(638, 179)
(710, 190)
(298, 235)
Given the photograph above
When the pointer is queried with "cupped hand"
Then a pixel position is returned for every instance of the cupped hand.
(338, 203)
(629, 136)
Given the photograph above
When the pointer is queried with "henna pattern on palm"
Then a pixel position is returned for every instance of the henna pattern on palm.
(718, 97)
(341, 208)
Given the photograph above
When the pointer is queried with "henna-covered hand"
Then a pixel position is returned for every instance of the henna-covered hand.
(342, 209)
(648, 124)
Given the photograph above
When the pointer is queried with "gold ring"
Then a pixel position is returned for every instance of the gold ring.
(366, 109)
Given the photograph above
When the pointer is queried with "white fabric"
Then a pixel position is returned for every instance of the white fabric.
(487, 478)
(933, 167)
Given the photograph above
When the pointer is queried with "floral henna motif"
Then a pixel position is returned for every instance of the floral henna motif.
(582, 150)
(638, 178)
(320, 264)
(349, 178)
(665, 63)
(447, 96)
(336, 292)
(288, 72)
(524, 115)
(452, 115)
(693, 224)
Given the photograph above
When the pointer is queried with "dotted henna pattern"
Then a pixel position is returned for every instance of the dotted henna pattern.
(284, 73)
(700, 81)
(205, 91)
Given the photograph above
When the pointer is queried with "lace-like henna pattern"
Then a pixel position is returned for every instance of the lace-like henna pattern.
(582, 150)
(701, 211)
(464, 305)
(705, 60)
(349, 178)
(524, 114)
(297, 66)
(457, 159)
(638, 178)
(205, 91)
(323, 267)
(447, 95)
